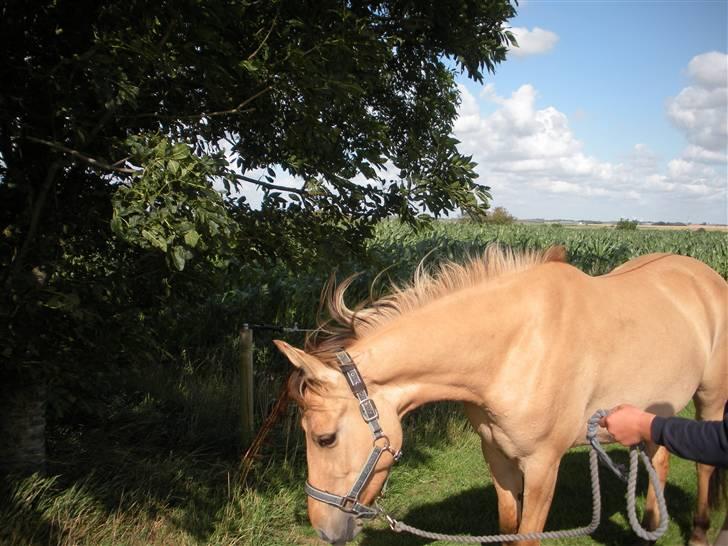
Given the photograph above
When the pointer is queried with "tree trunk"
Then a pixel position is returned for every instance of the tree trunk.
(22, 428)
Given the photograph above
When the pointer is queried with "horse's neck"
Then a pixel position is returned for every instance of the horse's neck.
(440, 352)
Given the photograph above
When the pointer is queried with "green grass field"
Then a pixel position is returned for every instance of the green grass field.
(447, 488)
(124, 495)
(163, 467)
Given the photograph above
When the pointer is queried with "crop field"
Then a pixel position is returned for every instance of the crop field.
(165, 467)
(595, 251)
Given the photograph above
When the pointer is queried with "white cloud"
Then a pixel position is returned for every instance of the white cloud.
(537, 166)
(700, 111)
(698, 153)
(533, 42)
(710, 69)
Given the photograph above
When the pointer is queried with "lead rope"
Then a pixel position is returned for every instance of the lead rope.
(596, 452)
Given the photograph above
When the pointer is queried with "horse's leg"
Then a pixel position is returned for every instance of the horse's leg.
(507, 477)
(709, 404)
(539, 475)
(508, 482)
(701, 518)
(660, 458)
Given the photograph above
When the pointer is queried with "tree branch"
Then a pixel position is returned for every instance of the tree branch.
(265, 39)
(38, 206)
(237, 110)
(240, 106)
(86, 159)
(270, 186)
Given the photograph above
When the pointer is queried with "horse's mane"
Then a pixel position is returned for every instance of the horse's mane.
(347, 325)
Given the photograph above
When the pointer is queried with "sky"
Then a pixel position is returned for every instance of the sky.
(607, 110)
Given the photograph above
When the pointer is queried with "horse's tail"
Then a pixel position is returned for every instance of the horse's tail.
(718, 488)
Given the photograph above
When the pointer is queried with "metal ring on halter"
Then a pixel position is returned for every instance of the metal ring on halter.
(396, 455)
(387, 444)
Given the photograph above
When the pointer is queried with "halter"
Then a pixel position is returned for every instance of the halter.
(350, 503)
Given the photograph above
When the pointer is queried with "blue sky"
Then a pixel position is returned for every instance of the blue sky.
(609, 110)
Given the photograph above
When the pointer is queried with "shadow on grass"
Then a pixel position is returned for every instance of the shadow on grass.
(169, 460)
(130, 481)
(474, 511)
(21, 520)
(164, 457)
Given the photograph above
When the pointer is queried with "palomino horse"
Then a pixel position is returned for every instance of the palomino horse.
(533, 347)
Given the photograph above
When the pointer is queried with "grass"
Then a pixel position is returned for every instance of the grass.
(446, 487)
(451, 492)
(196, 508)
(118, 488)
(158, 470)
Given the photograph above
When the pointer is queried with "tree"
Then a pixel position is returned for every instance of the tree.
(500, 216)
(113, 119)
(626, 224)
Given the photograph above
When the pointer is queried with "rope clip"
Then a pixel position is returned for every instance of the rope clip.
(382, 512)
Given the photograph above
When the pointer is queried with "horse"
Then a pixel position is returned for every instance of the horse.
(533, 347)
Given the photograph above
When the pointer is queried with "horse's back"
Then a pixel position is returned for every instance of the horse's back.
(698, 290)
(650, 333)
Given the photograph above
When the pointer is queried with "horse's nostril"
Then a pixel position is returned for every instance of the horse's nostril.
(324, 537)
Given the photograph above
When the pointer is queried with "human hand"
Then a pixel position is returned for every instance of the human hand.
(629, 425)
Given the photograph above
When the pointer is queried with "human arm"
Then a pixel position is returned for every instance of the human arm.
(701, 441)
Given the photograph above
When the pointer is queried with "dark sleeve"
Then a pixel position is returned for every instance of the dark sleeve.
(701, 441)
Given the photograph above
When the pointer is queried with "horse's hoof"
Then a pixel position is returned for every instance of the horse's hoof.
(698, 539)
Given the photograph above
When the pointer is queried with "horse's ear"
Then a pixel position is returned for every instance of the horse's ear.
(300, 359)
(555, 253)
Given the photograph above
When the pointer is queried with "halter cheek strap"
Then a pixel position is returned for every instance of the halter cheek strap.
(368, 409)
(350, 503)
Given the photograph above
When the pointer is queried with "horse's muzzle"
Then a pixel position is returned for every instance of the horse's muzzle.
(341, 530)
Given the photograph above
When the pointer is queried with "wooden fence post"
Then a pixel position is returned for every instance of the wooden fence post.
(246, 385)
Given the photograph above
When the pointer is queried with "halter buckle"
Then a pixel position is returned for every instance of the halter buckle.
(368, 410)
(347, 504)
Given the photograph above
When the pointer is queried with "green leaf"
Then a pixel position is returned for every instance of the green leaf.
(116, 225)
(179, 257)
(180, 151)
(191, 238)
(250, 66)
(155, 240)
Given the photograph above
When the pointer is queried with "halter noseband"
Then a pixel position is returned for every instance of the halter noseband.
(350, 503)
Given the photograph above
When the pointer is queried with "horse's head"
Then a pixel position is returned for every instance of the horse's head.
(350, 446)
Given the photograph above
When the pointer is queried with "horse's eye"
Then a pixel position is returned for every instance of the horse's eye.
(326, 440)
